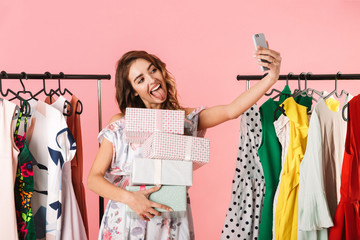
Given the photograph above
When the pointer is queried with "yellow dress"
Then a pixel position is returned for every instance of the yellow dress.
(286, 215)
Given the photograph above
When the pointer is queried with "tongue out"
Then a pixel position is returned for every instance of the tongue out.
(159, 94)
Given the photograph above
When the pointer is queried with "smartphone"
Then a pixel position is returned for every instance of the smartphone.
(259, 40)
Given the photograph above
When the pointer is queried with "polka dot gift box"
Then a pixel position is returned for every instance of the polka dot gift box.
(140, 123)
(161, 145)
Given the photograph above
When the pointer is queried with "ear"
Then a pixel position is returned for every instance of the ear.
(136, 94)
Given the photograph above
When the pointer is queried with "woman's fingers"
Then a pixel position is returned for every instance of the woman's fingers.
(159, 205)
(151, 190)
(268, 58)
(265, 51)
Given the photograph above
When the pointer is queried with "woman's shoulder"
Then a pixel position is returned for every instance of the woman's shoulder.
(116, 123)
(188, 111)
(116, 117)
(191, 112)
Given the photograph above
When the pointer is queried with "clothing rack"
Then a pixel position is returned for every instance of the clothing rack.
(61, 76)
(305, 76)
(302, 76)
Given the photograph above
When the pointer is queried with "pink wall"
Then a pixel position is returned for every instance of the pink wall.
(205, 45)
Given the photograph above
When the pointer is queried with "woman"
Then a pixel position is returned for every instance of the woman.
(142, 80)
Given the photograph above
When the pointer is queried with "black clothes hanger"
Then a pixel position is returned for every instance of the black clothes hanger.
(281, 108)
(24, 91)
(343, 112)
(16, 96)
(58, 90)
(310, 91)
(66, 111)
(43, 90)
(280, 93)
(338, 74)
(301, 91)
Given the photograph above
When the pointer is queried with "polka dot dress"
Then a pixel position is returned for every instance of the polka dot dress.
(244, 213)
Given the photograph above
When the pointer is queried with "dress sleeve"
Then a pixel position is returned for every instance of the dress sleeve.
(119, 165)
(192, 121)
(112, 132)
(314, 213)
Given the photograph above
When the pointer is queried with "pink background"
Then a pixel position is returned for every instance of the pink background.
(205, 45)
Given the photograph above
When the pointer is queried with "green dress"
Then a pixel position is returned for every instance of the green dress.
(24, 186)
(270, 156)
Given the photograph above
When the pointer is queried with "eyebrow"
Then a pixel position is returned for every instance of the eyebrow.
(141, 73)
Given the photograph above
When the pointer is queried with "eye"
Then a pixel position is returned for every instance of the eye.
(140, 80)
(154, 70)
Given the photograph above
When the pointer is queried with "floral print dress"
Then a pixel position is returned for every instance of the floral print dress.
(116, 224)
(24, 185)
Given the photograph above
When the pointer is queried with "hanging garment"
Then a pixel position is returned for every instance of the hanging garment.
(9, 159)
(74, 125)
(24, 185)
(324, 148)
(116, 224)
(282, 129)
(333, 131)
(286, 215)
(51, 144)
(243, 216)
(313, 215)
(72, 226)
(347, 218)
(270, 158)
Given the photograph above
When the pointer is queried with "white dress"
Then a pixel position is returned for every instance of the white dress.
(72, 226)
(244, 213)
(116, 224)
(320, 172)
(282, 129)
(51, 144)
(9, 159)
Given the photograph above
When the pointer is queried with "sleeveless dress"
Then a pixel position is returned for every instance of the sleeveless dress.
(347, 218)
(9, 158)
(286, 215)
(24, 185)
(243, 216)
(72, 226)
(270, 158)
(116, 224)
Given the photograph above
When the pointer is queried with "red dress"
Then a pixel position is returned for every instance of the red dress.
(347, 218)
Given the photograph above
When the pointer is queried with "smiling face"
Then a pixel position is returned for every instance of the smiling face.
(148, 83)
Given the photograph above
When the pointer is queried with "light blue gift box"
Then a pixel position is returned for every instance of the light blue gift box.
(171, 196)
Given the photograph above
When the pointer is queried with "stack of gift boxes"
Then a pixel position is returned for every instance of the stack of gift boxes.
(167, 156)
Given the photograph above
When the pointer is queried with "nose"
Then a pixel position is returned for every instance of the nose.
(151, 79)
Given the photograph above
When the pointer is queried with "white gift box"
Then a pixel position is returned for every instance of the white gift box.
(146, 171)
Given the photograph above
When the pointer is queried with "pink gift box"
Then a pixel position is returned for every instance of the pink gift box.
(161, 145)
(140, 123)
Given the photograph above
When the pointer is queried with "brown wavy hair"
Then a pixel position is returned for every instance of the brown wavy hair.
(124, 91)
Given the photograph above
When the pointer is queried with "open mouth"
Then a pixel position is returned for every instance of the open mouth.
(158, 92)
(155, 89)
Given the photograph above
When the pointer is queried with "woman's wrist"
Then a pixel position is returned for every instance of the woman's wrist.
(127, 197)
(272, 79)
